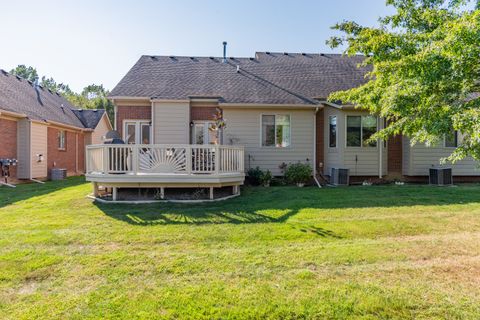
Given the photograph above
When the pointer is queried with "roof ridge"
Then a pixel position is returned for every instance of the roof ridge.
(194, 57)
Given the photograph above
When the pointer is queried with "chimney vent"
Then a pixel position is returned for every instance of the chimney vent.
(224, 51)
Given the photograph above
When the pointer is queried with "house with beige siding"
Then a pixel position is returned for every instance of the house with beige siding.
(275, 112)
(42, 130)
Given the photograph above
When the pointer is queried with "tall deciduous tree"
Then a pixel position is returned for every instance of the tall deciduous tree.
(92, 96)
(424, 73)
(25, 72)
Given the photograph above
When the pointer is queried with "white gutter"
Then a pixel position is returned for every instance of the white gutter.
(315, 147)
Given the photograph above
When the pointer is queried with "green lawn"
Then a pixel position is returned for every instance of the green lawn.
(280, 252)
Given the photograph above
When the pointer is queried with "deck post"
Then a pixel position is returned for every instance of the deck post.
(211, 193)
(236, 189)
(106, 160)
(216, 161)
(162, 193)
(114, 193)
(188, 159)
(95, 189)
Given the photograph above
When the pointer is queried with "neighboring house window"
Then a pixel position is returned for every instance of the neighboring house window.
(360, 129)
(332, 131)
(61, 140)
(276, 131)
(451, 139)
(137, 132)
(204, 133)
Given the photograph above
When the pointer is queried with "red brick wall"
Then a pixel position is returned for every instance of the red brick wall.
(320, 140)
(8, 141)
(395, 154)
(66, 159)
(81, 152)
(202, 113)
(132, 113)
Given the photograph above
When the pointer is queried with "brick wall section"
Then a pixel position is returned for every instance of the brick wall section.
(395, 155)
(66, 159)
(320, 139)
(8, 148)
(202, 113)
(81, 152)
(132, 113)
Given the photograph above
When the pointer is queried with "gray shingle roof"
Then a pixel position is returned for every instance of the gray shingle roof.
(21, 96)
(89, 117)
(270, 78)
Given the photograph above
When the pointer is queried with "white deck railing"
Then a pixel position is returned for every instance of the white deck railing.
(164, 159)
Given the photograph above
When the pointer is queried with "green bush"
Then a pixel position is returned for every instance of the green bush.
(266, 178)
(255, 175)
(298, 173)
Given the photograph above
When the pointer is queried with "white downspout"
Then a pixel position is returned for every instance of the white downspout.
(114, 115)
(315, 148)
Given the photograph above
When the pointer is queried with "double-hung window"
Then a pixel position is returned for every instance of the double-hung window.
(360, 129)
(61, 140)
(276, 131)
(332, 131)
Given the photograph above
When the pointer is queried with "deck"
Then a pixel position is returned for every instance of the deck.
(165, 166)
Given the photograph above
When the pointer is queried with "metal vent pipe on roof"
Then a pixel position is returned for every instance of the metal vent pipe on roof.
(224, 51)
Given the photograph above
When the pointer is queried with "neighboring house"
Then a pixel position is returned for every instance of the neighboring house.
(274, 106)
(42, 130)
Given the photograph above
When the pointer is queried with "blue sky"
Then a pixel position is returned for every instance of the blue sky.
(84, 42)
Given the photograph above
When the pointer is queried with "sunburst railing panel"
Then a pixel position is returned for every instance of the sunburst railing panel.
(164, 159)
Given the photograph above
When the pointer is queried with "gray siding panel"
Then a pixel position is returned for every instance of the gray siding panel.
(38, 138)
(171, 123)
(422, 158)
(243, 128)
(362, 161)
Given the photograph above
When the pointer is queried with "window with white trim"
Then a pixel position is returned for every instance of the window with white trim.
(137, 132)
(360, 129)
(451, 139)
(332, 131)
(276, 131)
(61, 140)
(204, 132)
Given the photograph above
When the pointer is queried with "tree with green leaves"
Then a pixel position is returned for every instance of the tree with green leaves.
(92, 96)
(424, 71)
(25, 72)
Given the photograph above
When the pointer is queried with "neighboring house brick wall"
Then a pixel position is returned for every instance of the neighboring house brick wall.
(395, 155)
(134, 113)
(8, 132)
(81, 153)
(68, 158)
(320, 140)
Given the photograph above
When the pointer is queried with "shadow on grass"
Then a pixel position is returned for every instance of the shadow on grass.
(26, 191)
(168, 214)
(278, 204)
